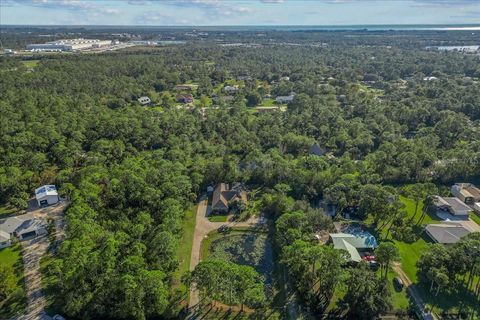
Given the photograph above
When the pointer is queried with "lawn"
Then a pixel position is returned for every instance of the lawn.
(30, 63)
(185, 248)
(16, 303)
(475, 217)
(267, 103)
(218, 218)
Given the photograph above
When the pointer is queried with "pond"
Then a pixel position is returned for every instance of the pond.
(252, 249)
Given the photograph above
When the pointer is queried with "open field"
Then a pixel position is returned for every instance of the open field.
(30, 63)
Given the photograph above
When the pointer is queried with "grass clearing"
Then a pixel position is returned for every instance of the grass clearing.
(15, 305)
(475, 217)
(30, 63)
(184, 251)
(218, 218)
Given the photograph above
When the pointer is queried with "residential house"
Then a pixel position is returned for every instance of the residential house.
(230, 89)
(22, 227)
(447, 232)
(224, 194)
(144, 101)
(452, 205)
(466, 192)
(184, 98)
(46, 195)
(354, 243)
(244, 78)
(285, 99)
(316, 150)
(5, 239)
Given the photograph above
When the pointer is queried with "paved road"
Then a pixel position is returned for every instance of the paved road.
(203, 226)
(412, 290)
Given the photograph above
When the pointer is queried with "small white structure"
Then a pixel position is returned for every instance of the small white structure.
(284, 99)
(46, 195)
(5, 240)
(144, 100)
(230, 89)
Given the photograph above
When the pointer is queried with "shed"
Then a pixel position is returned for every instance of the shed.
(46, 195)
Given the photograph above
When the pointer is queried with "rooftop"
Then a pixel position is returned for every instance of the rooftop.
(447, 232)
(46, 190)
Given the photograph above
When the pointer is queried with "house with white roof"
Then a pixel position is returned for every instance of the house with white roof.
(353, 243)
(46, 195)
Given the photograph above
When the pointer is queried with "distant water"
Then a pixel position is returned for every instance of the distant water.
(376, 27)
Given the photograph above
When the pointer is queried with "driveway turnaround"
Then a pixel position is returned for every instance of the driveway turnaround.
(203, 227)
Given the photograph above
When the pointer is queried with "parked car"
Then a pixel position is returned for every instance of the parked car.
(373, 265)
(398, 282)
(224, 228)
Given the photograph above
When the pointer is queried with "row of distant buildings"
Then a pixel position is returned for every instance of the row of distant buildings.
(69, 45)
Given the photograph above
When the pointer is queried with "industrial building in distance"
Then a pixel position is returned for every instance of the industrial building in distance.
(70, 45)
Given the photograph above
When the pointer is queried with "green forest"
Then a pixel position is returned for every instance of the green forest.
(390, 140)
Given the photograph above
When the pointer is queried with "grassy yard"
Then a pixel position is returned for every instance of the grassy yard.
(185, 248)
(267, 103)
(475, 217)
(218, 218)
(16, 303)
(30, 63)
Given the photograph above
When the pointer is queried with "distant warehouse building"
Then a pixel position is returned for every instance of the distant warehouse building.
(69, 45)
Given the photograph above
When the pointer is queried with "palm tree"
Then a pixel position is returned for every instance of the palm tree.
(386, 253)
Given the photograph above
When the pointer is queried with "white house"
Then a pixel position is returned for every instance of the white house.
(466, 192)
(46, 195)
(230, 89)
(353, 243)
(5, 239)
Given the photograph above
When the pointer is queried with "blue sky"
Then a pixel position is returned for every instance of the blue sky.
(238, 12)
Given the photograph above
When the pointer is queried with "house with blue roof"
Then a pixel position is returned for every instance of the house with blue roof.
(354, 243)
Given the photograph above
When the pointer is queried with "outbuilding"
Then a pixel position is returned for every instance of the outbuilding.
(46, 195)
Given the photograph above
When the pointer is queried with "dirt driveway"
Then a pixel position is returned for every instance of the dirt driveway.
(33, 250)
(203, 226)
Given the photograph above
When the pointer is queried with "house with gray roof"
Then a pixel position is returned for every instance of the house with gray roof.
(466, 192)
(23, 227)
(452, 205)
(224, 194)
(447, 232)
(144, 101)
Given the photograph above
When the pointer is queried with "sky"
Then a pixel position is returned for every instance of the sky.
(238, 12)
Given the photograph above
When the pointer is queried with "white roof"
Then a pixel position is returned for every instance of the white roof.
(447, 232)
(46, 190)
(342, 244)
